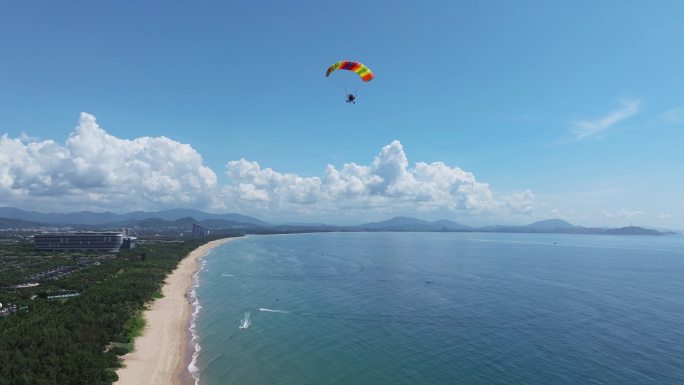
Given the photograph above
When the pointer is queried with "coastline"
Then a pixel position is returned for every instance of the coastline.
(161, 353)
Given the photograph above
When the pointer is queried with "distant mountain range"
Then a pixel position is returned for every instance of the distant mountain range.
(180, 219)
(559, 226)
(413, 224)
(108, 218)
(556, 226)
(8, 223)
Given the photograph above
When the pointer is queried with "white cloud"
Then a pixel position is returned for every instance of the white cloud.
(521, 203)
(622, 213)
(95, 170)
(387, 184)
(253, 183)
(24, 137)
(665, 216)
(588, 128)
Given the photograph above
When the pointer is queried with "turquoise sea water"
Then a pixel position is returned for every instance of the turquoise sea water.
(442, 308)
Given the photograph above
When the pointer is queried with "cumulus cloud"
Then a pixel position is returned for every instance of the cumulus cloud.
(387, 183)
(95, 170)
(96, 167)
(588, 128)
(520, 203)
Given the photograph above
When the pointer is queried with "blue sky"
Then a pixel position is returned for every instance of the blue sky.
(536, 109)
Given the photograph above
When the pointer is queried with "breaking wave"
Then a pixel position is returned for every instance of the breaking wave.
(196, 307)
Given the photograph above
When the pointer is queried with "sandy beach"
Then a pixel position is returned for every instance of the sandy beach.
(160, 353)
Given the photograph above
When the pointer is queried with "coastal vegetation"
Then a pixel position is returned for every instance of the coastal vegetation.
(78, 340)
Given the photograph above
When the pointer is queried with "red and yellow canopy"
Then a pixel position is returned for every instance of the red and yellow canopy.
(357, 67)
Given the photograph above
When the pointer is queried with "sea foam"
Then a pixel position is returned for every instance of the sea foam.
(196, 307)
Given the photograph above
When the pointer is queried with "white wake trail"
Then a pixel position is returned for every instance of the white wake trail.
(273, 310)
(246, 321)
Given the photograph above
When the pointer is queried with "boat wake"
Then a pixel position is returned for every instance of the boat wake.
(273, 310)
(246, 321)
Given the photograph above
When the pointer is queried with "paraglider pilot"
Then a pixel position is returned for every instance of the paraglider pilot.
(351, 98)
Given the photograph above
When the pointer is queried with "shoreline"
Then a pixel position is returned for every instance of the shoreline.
(162, 352)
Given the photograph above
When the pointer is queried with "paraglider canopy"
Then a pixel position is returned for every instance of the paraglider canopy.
(360, 69)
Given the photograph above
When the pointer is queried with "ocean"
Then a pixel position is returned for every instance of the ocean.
(441, 308)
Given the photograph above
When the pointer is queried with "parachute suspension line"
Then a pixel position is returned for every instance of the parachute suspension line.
(342, 85)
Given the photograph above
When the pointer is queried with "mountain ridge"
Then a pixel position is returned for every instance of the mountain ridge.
(11, 217)
(107, 217)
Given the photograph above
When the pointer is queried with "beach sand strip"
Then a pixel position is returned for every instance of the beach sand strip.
(160, 354)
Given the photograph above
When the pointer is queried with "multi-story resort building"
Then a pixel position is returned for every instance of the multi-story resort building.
(199, 231)
(103, 241)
